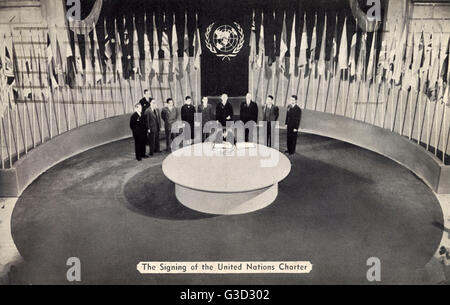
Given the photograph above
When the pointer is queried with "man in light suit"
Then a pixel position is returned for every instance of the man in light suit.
(248, 113)
(293, 118)
(270, 114)
(169, 115)
(153, 120)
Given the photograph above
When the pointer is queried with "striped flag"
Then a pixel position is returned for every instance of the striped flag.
(165, 47)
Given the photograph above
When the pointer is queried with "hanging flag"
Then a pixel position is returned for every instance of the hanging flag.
(98, 68)
(147, 50)
(261, 47)
(283, 46)
(292, 46)
(155, 60)
(302, 60)
(417, 63)
(108, 56)
(343, 53)
(136, 53)
(165, 47)
(372, 59)
(89, 70)
(175, 62)
(383, 63)
(352, 59)
(78, 61)
(185, 45)
(119, 54)
(334, 50)
(313, 46)
(399, 57)
(434, 74)
(443, 70)
(323, 46)
(407, 67)
(127, 52)
(252, 44)
(197, 46)
(360, 68)
(51, 63)
(59, 64)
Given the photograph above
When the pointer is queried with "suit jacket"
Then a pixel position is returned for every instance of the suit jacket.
(187, 114)
(271, 114)
(249, 113)
(138, 124)
(207, 114)
(222, 112)
(169, 117)
(153, 121)
(293, 117)
(145, 104)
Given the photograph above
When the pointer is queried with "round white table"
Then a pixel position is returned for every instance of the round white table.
(226, 181)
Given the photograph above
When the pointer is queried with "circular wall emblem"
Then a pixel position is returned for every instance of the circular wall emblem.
(224, 40)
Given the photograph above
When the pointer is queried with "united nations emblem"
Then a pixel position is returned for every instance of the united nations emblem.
(226, 41)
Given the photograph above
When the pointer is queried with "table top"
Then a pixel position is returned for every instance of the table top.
(201, 167)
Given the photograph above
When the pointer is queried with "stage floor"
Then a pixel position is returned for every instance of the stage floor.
(339, 206)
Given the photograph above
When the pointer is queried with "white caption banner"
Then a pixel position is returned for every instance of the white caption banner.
(223, 267)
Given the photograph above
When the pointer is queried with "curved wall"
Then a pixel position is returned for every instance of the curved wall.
(424, 164)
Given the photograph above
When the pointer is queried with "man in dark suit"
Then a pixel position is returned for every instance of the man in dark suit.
(188, 114)
(207, 115)
(293, 117)
(249, 113)
(145, 101)
(153, 120)
(139, 129)
(270, 114)
(170, 116)
(224, 111)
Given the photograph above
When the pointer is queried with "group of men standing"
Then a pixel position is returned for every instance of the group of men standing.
(145, 122)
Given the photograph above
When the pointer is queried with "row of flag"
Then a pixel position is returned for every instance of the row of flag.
(418, 62)
(99, 67)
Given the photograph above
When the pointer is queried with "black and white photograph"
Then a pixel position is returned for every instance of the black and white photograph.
(224, 142)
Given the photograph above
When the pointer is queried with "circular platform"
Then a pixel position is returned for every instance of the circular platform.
(226, 181)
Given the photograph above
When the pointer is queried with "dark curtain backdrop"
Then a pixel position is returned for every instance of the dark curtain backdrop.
(209, 10)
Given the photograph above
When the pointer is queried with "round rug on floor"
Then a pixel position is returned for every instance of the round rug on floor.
(339, 206)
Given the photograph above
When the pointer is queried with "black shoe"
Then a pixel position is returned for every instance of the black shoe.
(158, 151)
(149, 155)
(286, 152)
(145, 157)
(139, 159)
